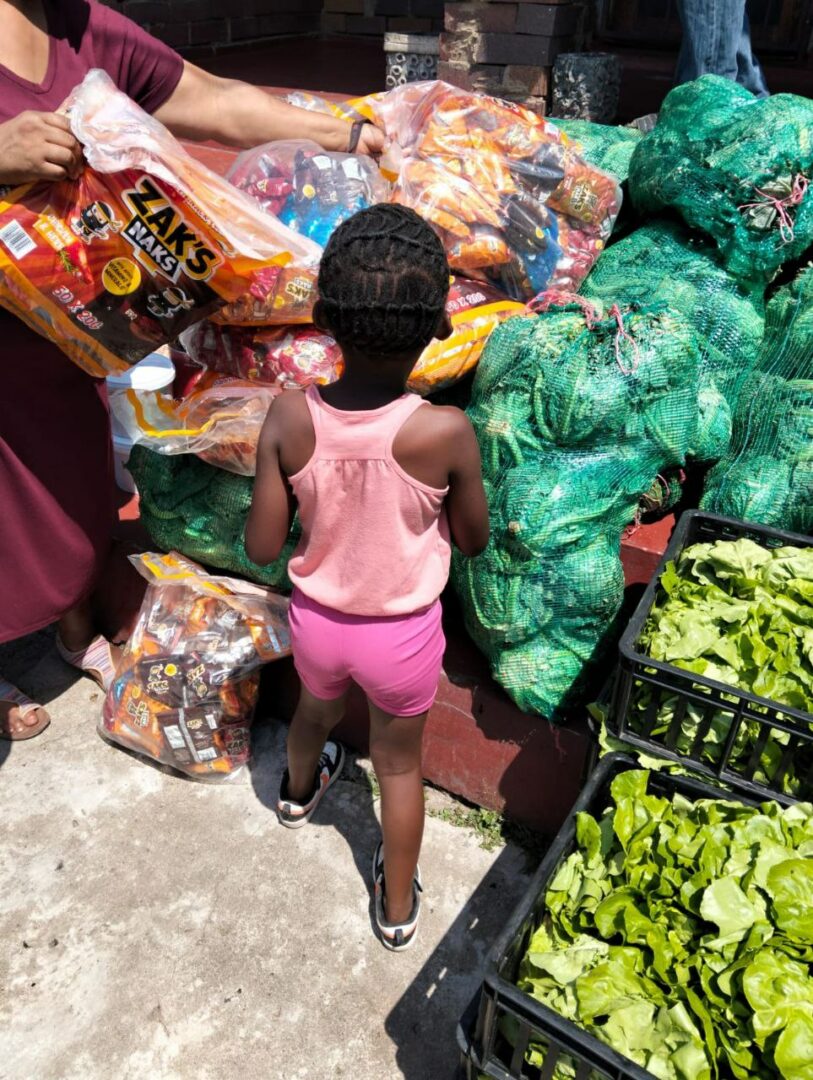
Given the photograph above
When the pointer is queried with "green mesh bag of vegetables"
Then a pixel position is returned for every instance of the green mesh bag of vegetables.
(577, 411)
(608, 148)
(663, 261)
(200, 510)
(767, 475)
(734, 166)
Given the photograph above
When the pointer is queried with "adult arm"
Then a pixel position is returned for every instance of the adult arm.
(205, 106)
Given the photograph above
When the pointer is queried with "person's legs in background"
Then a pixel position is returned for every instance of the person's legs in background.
(717, 41)
(749, 71)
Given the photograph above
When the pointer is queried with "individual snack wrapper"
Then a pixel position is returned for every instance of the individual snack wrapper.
(186, 688)
(474, 310)
(507, 192)
(144, 243)
(220, 421)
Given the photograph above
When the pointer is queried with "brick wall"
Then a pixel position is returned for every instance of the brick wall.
(381, 16)
(199, 23)
(508, 47)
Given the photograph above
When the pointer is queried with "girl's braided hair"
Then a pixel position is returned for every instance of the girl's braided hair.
(383, 281)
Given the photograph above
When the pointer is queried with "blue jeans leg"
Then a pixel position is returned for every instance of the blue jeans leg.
(749, 71)
(717, 41)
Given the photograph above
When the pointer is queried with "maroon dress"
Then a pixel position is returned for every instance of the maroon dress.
(56, 481)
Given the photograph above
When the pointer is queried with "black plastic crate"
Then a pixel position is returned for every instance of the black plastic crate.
(747, 728)
(485, 1051)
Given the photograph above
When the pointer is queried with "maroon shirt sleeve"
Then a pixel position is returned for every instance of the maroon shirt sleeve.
(143, 67)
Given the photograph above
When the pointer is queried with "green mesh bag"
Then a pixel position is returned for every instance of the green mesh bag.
(200, 511)
(608, 148)
(734, 166)
(577, 414)
(767, 476)
(663, 261)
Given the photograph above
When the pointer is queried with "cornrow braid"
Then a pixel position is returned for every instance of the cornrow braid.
(383, 281)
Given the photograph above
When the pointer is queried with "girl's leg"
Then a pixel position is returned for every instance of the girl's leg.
(313, 721)
(395, 750)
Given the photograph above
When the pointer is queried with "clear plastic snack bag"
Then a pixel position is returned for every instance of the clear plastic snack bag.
(509, 195)
(219, 420)
(144, 243)
(309, 189)
(187, 685)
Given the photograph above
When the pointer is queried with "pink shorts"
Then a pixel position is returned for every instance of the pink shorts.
(395, 659)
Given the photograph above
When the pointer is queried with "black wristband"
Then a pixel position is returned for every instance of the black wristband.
(355, 135)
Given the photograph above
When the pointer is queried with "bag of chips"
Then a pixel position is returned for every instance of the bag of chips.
(145, 243)
(186, 689)
(509, 195)
(474, 310)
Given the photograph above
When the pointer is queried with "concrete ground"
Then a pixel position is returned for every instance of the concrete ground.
(152, 927)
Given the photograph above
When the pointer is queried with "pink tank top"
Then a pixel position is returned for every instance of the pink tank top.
(375, 541)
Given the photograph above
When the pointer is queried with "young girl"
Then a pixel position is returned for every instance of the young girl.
(381, 479)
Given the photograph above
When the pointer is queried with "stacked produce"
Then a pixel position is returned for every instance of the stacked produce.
(144, 243)
(185, 690)
(680, 934)
(767, 474)
(736, 167)
(719, 158)
(737, 613)
(187, 505)
(664, 262)
(577, 412)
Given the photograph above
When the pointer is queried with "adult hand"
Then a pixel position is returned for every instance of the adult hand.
(372, 141)
(38, 146)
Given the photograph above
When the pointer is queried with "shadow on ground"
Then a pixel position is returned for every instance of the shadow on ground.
(422, 1026)
(361, 832)
(32, 665)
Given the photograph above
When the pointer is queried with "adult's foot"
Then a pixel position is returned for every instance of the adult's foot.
(20, 717)
(98, 660)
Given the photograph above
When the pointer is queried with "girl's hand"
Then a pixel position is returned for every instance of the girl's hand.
(38, 146)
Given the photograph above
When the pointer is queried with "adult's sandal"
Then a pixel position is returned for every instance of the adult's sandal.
(97, 660)
(17, 728)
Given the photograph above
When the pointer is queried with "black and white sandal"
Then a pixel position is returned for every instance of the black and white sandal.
(395, 936)
(293, 814)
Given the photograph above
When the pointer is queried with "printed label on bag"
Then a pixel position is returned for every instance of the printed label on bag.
(121, 276)
(17, 240)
